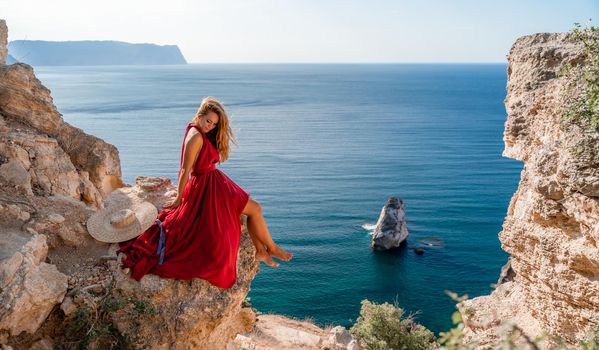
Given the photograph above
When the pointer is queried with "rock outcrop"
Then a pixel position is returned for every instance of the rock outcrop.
(187, 314)
(391, 229)
(276, 332)
(29, 286)
(551, 229)
(3, 41)
(60, 158)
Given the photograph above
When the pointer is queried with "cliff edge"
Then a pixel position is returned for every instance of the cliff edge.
(551, 229)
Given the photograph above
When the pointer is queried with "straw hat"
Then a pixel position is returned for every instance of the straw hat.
(123, 218)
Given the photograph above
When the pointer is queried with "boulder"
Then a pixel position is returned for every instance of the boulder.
(391, 229)
(30, 288)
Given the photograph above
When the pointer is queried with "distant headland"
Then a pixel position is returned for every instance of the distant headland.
(84, 53)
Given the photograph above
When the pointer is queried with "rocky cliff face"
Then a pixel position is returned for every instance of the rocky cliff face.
(551, 229)
(60, 287)
(3, 40)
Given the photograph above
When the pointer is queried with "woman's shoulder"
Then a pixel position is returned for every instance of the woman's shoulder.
(194, 135)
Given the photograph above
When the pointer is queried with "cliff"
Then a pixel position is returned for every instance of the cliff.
(89, 53)
(551, 230)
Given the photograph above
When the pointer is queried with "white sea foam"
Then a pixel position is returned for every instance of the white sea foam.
(369, 227)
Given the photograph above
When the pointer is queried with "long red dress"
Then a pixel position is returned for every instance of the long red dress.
(201, 236)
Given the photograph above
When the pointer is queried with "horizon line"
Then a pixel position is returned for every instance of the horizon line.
(451, 62)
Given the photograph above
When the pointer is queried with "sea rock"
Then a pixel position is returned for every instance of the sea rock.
(551, 229)
(391, 228)
(3, 41)
(29, 287)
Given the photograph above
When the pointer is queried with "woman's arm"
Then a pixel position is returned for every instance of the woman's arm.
(192, 148)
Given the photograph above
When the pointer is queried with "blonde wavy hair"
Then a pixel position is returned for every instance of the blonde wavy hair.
(222, 135)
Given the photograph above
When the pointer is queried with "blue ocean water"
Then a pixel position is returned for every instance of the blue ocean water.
(322, 147)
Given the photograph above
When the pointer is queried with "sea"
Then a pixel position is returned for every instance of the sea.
(322, 147)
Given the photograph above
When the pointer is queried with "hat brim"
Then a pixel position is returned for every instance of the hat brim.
(99, 227)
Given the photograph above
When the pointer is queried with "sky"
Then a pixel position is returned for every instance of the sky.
(303, 31)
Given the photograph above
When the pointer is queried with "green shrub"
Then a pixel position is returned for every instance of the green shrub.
(384, 327)
(582, 92)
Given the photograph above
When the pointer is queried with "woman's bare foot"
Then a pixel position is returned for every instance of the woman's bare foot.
(265, 258)
(279, 253)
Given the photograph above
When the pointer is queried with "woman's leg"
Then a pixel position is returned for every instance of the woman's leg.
(261, 253)
(257, 228)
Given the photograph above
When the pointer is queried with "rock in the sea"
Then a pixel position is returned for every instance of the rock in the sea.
(391, 228)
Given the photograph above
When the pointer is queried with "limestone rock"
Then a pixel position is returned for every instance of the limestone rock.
(61, 219)
(68, 306)
(60, 158)
(13, 215)
(30, 287)
(340, 338)
(551, 229)
(277, 332)
(156, 190)
(3, 41)
(43, 344)
(391, 228)
(188, 314)
(14, 174)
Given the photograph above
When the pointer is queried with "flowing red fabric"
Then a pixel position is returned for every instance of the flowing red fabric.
(201, 235)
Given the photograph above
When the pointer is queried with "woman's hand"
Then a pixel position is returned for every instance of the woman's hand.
(172, 204)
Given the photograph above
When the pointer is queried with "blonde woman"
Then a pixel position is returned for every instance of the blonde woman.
(198, 233)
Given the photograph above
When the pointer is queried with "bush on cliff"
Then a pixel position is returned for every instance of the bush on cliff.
(582, 93)
(384, 327)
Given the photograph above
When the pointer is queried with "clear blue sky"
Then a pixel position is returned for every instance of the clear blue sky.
(303, 30)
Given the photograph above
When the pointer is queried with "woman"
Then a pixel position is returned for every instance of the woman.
(198, 233)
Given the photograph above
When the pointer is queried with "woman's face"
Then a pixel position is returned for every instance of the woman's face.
(208, 122)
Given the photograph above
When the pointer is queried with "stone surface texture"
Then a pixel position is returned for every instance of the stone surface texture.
(3, 42)
(29, 287)
(551, 230)
(59, 158)
(277, 332)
